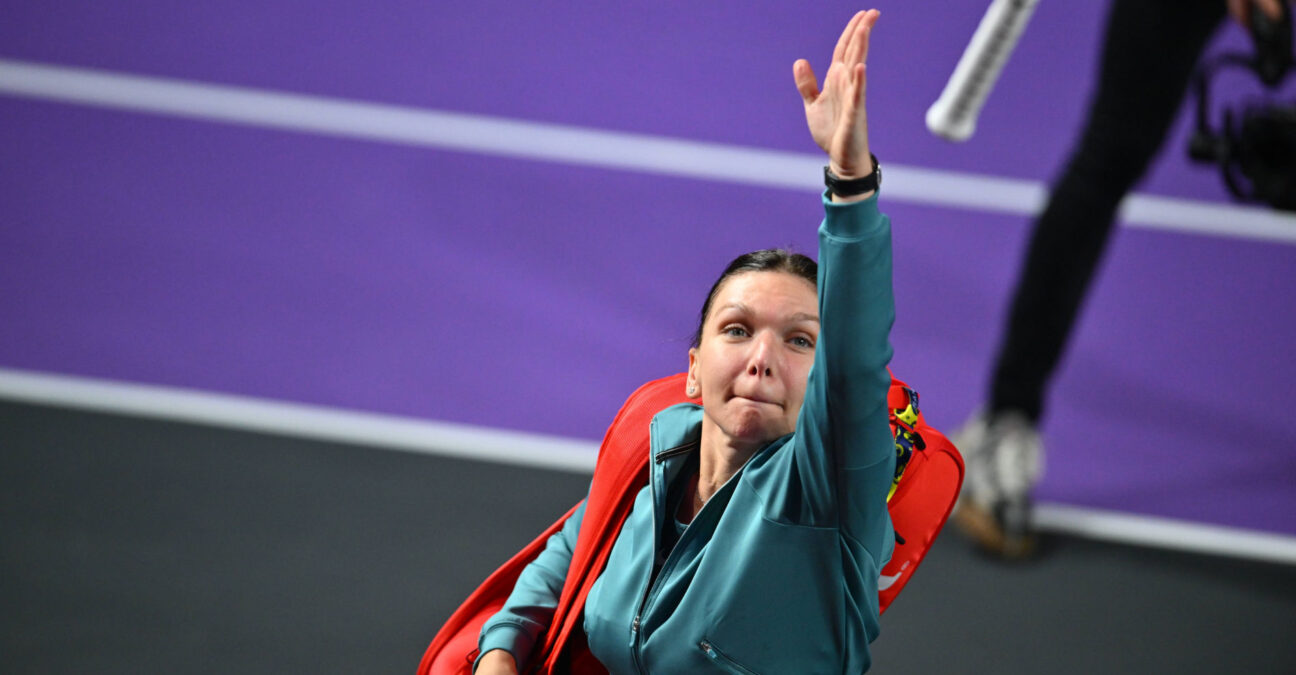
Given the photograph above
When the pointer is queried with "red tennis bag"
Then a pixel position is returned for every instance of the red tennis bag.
(929, 473)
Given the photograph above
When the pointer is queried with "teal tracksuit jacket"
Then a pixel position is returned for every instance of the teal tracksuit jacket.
(778, 572)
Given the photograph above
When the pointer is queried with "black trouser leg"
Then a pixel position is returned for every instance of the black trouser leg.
(1149, 51)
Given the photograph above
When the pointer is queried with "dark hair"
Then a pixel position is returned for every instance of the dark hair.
(767, 260)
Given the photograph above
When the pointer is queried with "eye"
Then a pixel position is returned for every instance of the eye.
(802, 341)
(734, 330)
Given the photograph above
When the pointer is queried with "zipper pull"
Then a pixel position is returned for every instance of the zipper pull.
(707, 649)
(634, 626)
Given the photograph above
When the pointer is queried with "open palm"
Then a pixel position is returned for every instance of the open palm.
(836, 114)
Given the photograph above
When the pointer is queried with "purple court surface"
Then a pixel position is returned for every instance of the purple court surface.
(530, 293)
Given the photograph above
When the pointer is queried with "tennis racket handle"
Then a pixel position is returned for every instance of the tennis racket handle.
(954, 115)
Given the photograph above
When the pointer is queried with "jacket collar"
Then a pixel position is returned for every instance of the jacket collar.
(675, 432)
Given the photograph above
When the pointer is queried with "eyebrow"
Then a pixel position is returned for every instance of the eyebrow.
(799, 316)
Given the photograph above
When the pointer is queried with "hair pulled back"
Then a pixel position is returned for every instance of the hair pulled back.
(765, 260)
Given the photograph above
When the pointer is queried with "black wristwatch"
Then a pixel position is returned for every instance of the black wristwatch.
(856, 186)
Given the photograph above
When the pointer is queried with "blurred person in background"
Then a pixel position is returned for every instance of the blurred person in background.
(1150, 50)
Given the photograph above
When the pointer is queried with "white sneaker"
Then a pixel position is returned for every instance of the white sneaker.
(1003, 459)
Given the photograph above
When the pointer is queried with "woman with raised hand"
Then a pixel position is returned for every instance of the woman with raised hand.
(757, 544)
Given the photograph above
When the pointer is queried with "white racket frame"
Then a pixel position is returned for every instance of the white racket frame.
(954, 114)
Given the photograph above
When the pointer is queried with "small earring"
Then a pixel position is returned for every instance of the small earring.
(691, 391)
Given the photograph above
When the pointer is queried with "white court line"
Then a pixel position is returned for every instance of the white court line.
(594, 147)
(300, 420)
(1128, 528)
(535, 450)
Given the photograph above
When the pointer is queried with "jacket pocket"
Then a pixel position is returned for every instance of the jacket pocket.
(721, 659)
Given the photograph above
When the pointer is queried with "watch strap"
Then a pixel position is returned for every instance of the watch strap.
(856, 186)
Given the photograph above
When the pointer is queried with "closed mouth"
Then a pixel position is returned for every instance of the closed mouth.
(754, 399)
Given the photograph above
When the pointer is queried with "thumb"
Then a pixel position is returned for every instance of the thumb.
(805, 81)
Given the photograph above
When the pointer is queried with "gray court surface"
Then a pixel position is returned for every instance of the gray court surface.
(136, 546)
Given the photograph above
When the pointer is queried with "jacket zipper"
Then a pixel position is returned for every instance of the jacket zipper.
(658, 458)
(672, 559)
(678, 450)
(667, 565)
(648, 584)
(723, 659)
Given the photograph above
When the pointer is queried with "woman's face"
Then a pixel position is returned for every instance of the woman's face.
(757, 346)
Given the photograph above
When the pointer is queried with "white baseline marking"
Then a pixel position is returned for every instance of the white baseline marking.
(1128, 528)
(534, 450)
(578, 145)
(300, 420)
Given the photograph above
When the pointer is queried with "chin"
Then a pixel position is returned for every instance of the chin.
(758, 430)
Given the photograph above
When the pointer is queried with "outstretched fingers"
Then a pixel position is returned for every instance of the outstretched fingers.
(835, 114)
(857, 46)
(839, 52)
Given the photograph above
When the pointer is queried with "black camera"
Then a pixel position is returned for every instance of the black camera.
(1256, 147)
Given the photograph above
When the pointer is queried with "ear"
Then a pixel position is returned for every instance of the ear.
(691, 382)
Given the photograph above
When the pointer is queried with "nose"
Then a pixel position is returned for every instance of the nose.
(763, 355)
